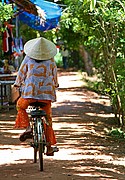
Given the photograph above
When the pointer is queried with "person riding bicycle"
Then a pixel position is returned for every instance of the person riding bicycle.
(37, 78)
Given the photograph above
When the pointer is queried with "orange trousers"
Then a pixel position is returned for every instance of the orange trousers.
(23, 121)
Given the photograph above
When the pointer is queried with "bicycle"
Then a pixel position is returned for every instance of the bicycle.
(37, 119)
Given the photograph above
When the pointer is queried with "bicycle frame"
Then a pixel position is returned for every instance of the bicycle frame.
(40, 129)
(39, 142)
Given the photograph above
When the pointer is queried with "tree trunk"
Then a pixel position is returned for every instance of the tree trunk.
(87, 60)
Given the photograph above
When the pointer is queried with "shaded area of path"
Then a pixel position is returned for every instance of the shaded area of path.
(79, 119)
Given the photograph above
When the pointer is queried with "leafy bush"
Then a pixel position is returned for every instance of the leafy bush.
(6, 13)
(116, 133)
(58, 59)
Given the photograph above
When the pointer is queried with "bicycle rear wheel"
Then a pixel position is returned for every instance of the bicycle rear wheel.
(35, 155)
(41, 157)
(40, 143)
(35, 140)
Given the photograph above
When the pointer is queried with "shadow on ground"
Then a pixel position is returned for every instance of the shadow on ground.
(86, 152)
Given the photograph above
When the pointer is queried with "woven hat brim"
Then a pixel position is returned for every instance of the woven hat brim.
(40, 49)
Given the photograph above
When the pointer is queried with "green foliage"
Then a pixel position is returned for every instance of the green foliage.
(97, 86)
(116, 133)
(58, 59)
(99, 26)
(26, 32)
(6, 13)
(92, 5)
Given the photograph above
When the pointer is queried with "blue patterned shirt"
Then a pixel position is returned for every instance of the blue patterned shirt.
(38, 80)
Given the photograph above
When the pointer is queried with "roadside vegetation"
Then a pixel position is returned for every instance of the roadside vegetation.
(93, 32)
(97, 34)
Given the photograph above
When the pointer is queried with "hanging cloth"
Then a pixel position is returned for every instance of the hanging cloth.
(8, 39)
(5, 43)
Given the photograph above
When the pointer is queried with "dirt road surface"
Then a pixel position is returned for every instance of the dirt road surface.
(80, 117)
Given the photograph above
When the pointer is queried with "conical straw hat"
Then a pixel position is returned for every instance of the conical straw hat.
(40, 49)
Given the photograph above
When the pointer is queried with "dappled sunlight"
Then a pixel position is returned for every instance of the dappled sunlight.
(101, 101)
(93, 174)
(7, 122)
(67, 97)
(13, 147)
(83, 163)
(119, 161)
(90, 171)
(13, 131)
(73, 81)
(66, 154)
(79, 118)
(77, 154)
(100, 115)
(73, 129)
(13, 155)
(95, 171)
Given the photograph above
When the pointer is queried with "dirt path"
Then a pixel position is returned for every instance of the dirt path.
(79, 119)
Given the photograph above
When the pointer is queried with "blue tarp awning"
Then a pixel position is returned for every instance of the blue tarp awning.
(52, 12)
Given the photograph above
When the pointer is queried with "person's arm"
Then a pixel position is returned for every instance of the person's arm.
(21, 75)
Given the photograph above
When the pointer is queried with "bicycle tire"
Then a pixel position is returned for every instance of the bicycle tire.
(35, 140)
(35, 155)
(41, 151)
(40, 157)
(40, 143)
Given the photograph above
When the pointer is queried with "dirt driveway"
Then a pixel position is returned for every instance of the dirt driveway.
(79, 119)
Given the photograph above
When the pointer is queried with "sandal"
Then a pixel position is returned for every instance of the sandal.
(51, 151)
(26, 135)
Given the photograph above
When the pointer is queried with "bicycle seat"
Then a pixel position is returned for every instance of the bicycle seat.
(38, 113)
(38, 104)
